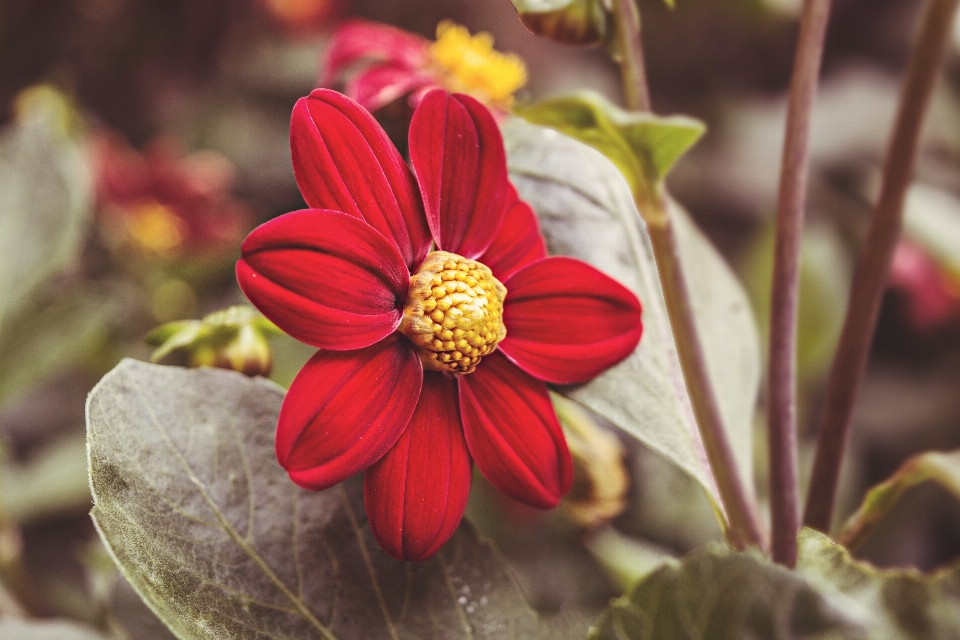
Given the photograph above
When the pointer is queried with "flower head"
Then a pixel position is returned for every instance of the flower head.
(167, 204)
(385, 63)
(438, 314)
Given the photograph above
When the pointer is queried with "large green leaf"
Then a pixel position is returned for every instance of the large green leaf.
(586, 211)
(718, 593)
(45, 198)
(214, 536)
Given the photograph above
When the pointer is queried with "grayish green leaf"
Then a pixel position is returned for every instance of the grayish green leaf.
(45, 200)
(586, 211)
(15, 629)
(219, 542)
(718, 593)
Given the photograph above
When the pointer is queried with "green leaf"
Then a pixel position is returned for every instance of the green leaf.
(586, 211)
(643, 146)
(52, 483)
(16, 629)
(45, 199)
(53, 334)
(220, 543)
(718, 593)
(933, 466)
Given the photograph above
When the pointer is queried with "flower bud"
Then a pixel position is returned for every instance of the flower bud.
(600, 479)
(570, 22)
(233, 338)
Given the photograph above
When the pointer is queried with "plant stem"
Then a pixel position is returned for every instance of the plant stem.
(632, 65)
(744, 524)
(744, 528)
(782, 375)
(873, 264)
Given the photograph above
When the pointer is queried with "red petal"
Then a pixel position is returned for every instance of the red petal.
(513, 434)
(517, 243)
(457, 154)
(566, 322)
(359, 39)
(345, 409)
(382, 84)
(324, 277)
(344, 161)
(415, 495)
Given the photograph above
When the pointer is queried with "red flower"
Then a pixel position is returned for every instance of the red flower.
(382, 63)
(168, 203)
(415, 377)
(930, 292)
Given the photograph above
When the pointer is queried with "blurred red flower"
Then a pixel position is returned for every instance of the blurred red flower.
(381, 63)
(428, 358)
(931, 294)
(165, 203)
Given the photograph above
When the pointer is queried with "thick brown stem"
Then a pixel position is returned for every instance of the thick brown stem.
(874, 263)
(782, 410)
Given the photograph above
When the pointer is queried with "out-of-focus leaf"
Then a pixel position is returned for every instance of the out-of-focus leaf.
(54, 335)
(643, 146)
(53, 482)
(933, 466)
(214, 536)
(45, 198)
(571, 22)
(627, 560)
(586, 211)
(825, 274)
(15, 629)
(718, 593)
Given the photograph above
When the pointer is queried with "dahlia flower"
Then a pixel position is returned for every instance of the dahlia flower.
(438, 315)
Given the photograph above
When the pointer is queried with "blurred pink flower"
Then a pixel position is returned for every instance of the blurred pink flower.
(379, 63)
(166, 203)
(930, 292)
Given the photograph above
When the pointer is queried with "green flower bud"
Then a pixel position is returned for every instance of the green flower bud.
(233, 338)
(571, 22)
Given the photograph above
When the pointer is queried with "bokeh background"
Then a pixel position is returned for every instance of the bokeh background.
(140, 140)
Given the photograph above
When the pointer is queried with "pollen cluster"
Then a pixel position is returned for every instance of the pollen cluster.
(454, 312)
(471, 65)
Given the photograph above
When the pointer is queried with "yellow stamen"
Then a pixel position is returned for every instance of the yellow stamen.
(471, 65)
(454, 312)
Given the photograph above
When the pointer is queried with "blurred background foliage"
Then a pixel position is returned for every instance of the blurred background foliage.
(140, 140)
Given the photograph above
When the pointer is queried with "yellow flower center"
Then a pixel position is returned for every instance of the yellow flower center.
(471, 65)
(155, 227)
(454, 312)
